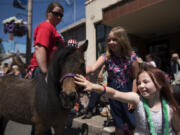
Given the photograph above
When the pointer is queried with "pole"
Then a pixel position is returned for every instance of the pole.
(74, 11)
(29, 32)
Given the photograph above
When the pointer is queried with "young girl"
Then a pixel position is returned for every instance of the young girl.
(156, 110)
(122, 68)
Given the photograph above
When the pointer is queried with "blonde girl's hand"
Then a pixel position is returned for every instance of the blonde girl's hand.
(130, 106)
(82, 81)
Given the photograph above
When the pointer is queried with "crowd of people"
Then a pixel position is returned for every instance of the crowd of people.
(10, 70)
(140, 95)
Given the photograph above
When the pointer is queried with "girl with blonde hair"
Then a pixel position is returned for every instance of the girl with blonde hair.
(122, 68)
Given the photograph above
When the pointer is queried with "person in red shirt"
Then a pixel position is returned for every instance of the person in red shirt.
(46, 40)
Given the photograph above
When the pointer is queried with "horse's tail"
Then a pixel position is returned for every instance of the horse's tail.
(3, 123)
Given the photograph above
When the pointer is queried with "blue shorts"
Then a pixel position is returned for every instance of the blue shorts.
(122, 115)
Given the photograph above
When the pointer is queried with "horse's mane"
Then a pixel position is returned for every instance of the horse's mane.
(54, 74)
(54, 69)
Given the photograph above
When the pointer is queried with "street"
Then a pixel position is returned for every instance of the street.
(14, 128)
(79, 127)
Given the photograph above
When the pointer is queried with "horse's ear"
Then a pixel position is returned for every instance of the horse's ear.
(83, 46)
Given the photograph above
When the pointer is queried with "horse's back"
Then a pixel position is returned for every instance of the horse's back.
(16, 99)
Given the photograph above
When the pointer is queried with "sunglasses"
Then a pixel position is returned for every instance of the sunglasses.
(57, 14)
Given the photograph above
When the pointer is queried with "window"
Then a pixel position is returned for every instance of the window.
(160, 52)
(101, 33)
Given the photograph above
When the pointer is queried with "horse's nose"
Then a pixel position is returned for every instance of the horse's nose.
(68, 100)
(73, 96)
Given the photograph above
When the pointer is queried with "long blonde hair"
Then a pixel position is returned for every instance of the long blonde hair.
(123, 40)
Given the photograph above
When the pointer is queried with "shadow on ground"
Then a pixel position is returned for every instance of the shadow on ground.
(83, 130)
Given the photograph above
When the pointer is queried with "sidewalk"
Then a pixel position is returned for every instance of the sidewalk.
(93, 126)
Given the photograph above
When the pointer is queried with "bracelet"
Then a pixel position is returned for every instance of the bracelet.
(104, 91)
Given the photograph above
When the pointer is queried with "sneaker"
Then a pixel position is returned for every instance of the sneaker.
(88, 115)
(109, 129)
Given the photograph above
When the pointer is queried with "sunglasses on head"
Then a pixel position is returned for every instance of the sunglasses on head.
(57, 14)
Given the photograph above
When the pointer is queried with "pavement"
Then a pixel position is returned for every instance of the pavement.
(14, 128)
(93, 126)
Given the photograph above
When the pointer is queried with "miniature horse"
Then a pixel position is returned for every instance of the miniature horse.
(46, 100)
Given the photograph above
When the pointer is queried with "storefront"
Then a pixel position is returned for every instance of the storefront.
(153, 25)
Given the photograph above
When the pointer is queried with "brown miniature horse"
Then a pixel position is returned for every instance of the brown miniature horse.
(44, 101)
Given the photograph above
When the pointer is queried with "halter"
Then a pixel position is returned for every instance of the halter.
(66, 75)
(69, 75)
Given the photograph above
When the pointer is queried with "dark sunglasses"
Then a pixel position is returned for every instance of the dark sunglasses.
(57, 14)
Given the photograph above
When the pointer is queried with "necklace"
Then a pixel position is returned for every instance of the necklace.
(165, 122)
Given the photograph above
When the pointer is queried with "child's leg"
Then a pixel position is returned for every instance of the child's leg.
(119, 131)
(131, 132)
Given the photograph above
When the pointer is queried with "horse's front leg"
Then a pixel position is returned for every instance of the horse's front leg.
(59, 128)
(59, 125)
(40, 129)
(3, 123)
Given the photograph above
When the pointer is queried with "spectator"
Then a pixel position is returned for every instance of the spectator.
(156, 110)
(6, 68)
(150, 61)
(16, 71)
(122, 67)
(175, 65)
(1, 71)
(46, 40)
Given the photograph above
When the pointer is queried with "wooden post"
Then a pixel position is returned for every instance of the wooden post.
(29, 32)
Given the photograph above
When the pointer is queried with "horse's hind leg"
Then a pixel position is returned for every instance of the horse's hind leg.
(3, 123)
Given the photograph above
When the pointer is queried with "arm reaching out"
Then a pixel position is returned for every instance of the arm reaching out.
(100, 61)
(126, 97)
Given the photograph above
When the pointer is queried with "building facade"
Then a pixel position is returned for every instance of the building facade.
(153, 26)
(75, 31)
(10, 46)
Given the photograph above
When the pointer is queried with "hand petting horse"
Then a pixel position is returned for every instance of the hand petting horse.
(44, 102)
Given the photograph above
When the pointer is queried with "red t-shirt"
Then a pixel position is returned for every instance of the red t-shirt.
(45, 34)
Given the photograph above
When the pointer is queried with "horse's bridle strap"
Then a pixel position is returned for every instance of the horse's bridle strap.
(67, 75)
